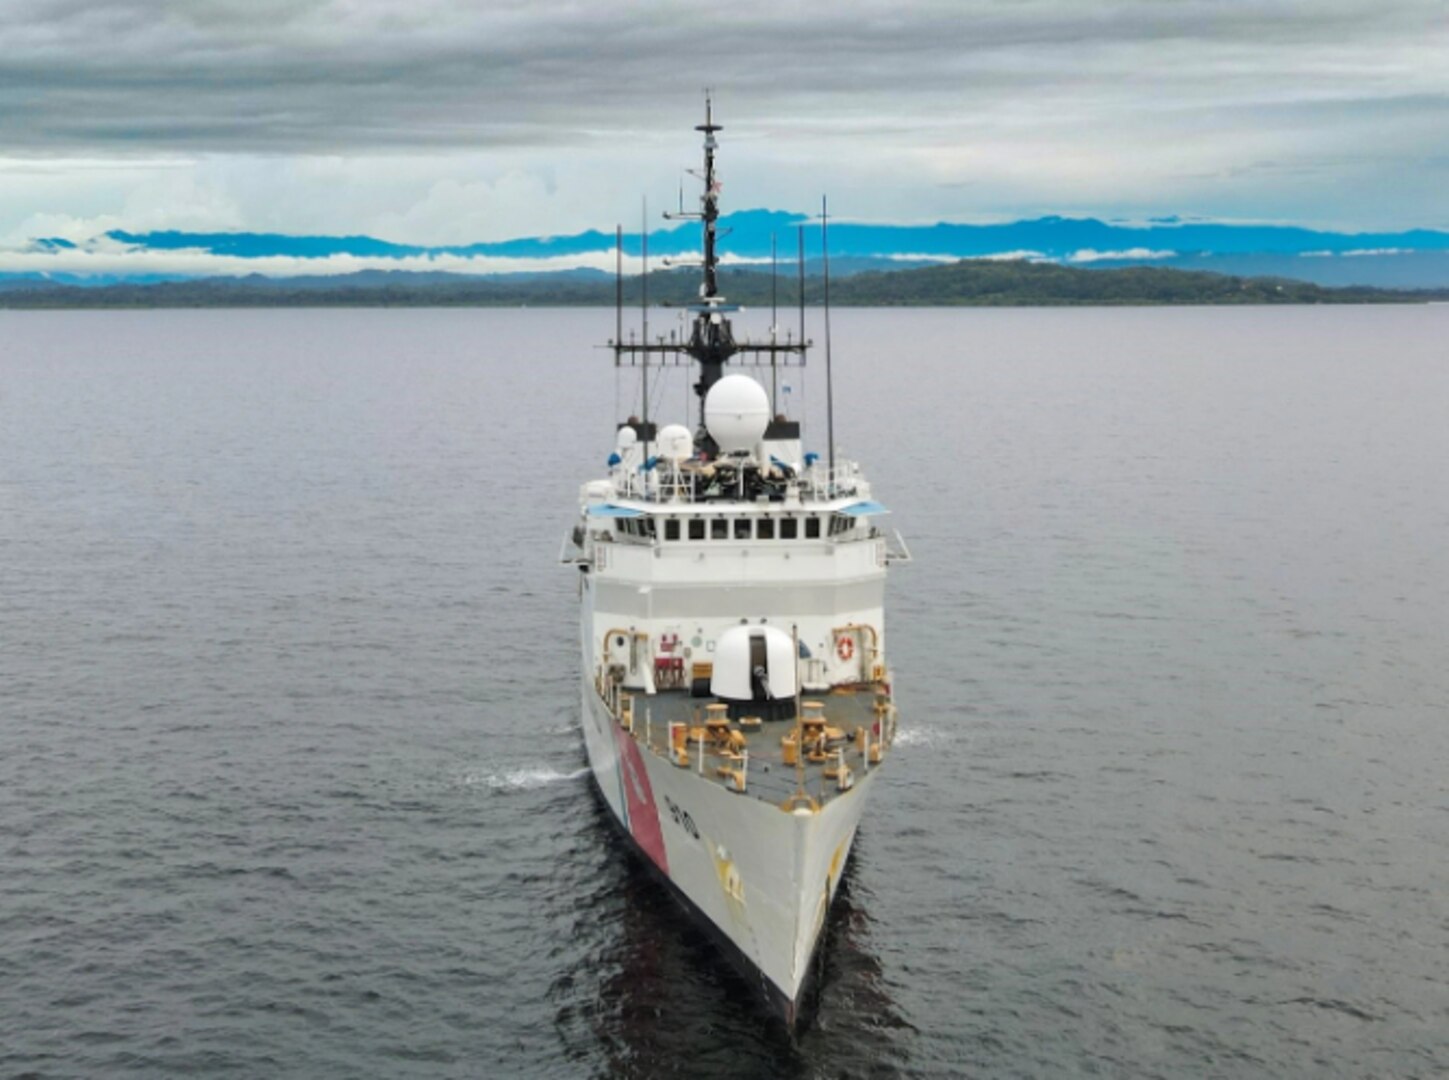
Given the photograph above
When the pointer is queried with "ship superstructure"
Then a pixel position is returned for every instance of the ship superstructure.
(737, 700)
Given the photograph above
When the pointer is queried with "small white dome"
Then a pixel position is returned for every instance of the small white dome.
(737, 412)
(626, 438)
(675, 443)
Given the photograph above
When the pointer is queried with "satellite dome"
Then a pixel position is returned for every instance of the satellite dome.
(737, 412)
(675, 443)
(627, 437)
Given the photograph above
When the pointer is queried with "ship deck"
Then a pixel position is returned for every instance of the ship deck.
(754, 759)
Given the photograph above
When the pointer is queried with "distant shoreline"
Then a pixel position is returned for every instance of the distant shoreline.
(968, 283)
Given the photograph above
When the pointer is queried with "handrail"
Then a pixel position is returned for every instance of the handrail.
(664, 485)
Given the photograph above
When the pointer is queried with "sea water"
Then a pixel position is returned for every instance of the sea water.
(291, 781)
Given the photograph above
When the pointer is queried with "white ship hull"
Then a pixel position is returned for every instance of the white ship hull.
(760, 877)
(736, 696)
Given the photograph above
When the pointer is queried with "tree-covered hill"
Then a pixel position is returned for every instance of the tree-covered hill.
(975, 283)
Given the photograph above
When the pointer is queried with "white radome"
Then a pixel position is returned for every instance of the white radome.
(737, 412)
(675, 443)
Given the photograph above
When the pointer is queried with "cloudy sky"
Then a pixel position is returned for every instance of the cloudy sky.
(450, 121)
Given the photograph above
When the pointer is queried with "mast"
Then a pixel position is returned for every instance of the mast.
(711, 343)
(710, 201)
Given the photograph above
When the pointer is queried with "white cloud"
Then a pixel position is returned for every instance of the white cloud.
(1010, 256)
(107, 258)
(1352, 252)
(1087, 255)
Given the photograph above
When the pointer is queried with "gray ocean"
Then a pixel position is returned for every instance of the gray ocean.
(291, 780)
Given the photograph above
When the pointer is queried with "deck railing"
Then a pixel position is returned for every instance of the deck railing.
(668, 484)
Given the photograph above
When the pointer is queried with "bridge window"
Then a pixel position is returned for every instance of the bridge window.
(719, 529)
(840, 523)
(671, 528)
(765, 529)
(812, 528)
(789, 528)
(742, 528)
(696, 528)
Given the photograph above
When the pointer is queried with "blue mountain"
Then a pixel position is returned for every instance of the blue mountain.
(1413, 257)
(748, 234)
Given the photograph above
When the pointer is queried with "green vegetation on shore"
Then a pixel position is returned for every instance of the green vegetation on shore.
(967, 283)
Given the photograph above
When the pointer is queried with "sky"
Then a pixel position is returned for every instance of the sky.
(449, 121)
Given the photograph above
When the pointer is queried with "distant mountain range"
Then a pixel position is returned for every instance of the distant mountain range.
(748, 235)
(1416, 258)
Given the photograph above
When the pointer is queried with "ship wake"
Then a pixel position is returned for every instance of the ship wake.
(524, 779)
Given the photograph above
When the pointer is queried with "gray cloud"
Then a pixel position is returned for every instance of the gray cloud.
(533, 115)
(363, 75)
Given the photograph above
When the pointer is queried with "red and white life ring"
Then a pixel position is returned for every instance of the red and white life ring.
(845, 648)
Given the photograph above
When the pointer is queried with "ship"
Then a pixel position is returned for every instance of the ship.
(737, 700)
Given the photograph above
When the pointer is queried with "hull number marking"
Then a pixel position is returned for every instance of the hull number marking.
(681, 817)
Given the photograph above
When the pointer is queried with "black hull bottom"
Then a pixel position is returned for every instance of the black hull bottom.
(780, 1006)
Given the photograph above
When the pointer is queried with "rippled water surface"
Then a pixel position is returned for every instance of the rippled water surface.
(290, 775)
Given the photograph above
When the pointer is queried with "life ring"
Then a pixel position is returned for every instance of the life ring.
(845, 648)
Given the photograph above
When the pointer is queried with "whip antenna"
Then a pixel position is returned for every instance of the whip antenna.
(774, 329)
(800, 265)
(829, 385)
(644, 326)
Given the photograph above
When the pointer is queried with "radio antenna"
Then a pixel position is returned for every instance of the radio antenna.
(829, 385)
(800, 263)
(644, 324)
(774, 329)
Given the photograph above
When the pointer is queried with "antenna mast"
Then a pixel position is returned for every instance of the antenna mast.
(711, 343)
(644, 323)
(800, 270)
(829, 384)
(774, 328)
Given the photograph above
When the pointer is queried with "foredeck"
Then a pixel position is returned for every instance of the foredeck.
(758, 758)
